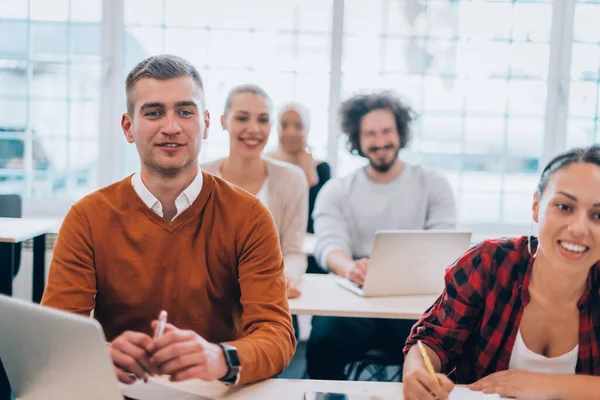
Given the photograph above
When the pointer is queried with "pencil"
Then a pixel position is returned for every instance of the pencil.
(427, 361)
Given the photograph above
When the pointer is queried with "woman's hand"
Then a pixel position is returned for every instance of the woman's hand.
(420, 385)
(291, 289)
(517, 383)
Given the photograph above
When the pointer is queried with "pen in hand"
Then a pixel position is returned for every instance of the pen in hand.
(162, 322)
(427, 361)
(159, 330)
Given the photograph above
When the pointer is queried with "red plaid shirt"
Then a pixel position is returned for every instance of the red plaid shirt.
(472, 326)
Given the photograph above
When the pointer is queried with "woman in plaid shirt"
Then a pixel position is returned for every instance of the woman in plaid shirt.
(521, 316)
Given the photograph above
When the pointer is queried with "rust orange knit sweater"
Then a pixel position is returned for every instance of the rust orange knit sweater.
(217, 269)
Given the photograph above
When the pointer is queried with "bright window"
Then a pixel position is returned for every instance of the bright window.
(476, 74)
(486, 78)
(283, 46)
(584, 100)
(49, 97)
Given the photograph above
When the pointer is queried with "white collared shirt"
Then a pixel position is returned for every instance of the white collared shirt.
(182, 202)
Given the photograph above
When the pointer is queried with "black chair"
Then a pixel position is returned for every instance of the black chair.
(11, 206)
(378, 366)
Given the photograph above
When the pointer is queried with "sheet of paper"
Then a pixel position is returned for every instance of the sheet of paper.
(155, 390)
(464, 393)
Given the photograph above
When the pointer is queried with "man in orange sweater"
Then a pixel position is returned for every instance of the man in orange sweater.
(177, 239)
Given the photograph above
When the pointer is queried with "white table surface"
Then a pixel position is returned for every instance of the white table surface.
(280, 389)
(272, 389)
(321, 295)
(15, 230)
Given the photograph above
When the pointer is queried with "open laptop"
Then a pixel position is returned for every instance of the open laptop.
(410, 262)
(50, 354)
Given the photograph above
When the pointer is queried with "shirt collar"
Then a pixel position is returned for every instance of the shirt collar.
(591, 288)
(182, 202)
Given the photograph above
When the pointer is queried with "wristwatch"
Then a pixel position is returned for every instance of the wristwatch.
(233, 365)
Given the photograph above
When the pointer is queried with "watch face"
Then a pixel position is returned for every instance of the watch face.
(233, 356)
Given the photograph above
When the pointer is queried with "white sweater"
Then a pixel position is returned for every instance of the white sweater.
(287, 199)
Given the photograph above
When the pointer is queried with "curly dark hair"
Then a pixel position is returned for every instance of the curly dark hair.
(355, 108)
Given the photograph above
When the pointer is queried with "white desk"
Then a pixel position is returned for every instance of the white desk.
(292, 389)
(278, 389)
(17, 230)
(321, 295)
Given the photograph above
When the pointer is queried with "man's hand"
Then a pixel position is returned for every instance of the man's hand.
(130, 353)
(358, 273)
(307, 163)
(186, 355)
(291, 289)
(519, 384)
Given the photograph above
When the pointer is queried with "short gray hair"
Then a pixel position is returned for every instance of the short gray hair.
(247, 88)
(161, 67)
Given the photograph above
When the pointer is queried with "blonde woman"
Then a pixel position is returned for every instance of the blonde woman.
(282, 187)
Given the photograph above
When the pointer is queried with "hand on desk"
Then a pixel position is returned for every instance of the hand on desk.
(184, 354)
(420, 385)
(181, 354)
(517, 383)
(130, 353)
(291, 289)
(358, 273)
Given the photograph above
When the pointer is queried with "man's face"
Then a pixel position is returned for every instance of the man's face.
(379, 139)
(168, 124)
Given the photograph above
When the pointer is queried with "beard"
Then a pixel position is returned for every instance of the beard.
(168, 171)
(165, 172)
(380, 165)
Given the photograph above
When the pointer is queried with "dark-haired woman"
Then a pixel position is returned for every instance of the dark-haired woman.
(521, 316)
(293, 134)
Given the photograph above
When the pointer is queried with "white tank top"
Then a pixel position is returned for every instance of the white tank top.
(525, 359)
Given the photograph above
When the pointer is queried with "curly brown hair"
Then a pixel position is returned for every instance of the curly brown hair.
(355, 108)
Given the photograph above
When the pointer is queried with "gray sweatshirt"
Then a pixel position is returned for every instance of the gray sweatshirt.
(349, 210)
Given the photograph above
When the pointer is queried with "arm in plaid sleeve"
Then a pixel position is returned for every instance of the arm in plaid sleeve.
(448, 323)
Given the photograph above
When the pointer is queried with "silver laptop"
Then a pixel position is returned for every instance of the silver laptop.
(410, 262)
(50, 354)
